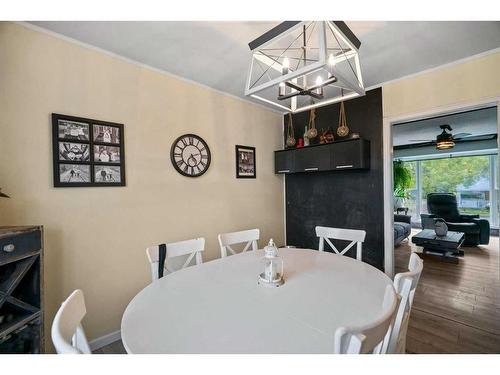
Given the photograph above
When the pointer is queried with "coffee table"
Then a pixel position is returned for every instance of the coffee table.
(447, 247)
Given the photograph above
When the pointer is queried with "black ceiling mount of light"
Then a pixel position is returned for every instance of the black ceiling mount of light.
(444, 141)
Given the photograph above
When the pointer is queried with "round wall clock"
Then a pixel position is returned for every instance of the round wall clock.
(190, 155)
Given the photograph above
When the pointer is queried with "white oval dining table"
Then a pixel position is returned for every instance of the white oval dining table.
(218, 306)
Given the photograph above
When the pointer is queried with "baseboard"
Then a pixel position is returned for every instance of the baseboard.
(99, 342)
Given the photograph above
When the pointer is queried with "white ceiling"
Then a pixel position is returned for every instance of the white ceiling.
(216, 54)
(478, 122)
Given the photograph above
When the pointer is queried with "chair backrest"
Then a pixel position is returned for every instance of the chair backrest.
(248, 237)
(370, 338)
(67, 332)
(405, 284)
(356, 237)
(159, 263)
(443, 205)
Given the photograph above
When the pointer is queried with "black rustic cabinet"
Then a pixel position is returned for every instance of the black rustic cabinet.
(341, 155)
(21, 307)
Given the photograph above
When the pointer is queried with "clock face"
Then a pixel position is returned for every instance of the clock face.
(190, 155)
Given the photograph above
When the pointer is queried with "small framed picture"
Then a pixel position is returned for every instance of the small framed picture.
(106, 134)
(106, 154)
(73, 130)
(87, 152)
(107, 174)
(245, 162)
(74, 174)
(69, 151)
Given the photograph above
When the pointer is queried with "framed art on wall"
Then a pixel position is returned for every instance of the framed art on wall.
(245, 162)
(87, 152)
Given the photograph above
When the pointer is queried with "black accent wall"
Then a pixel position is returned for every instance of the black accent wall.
(345, 199)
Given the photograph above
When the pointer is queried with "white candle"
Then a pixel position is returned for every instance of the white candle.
(285, 66)
(319, 82)
(281, 90)
(270, 271)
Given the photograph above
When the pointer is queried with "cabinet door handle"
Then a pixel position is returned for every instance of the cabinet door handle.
(284, 171)
(344, 166)
(9, 248)
(311, 169)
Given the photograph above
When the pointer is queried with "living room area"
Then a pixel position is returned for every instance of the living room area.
(445, 173)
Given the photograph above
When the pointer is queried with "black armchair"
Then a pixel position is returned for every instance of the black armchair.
(444, 206)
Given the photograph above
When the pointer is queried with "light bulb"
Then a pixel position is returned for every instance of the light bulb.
(281, 89)
(285, 66)
(319, 88)
(331, 59)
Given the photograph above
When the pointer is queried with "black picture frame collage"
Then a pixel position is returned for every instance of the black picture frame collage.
(87, 152)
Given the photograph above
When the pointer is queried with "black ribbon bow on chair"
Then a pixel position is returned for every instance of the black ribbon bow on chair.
(161, 261)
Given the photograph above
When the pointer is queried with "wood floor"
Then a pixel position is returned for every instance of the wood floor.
(457, 306)
(113, 348)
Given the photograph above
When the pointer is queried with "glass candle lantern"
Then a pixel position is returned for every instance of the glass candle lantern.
(272, 266)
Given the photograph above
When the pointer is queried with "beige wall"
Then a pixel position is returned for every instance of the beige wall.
(470, 81)
(95, 238)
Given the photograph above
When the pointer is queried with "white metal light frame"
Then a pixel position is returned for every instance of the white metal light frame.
(339, 29)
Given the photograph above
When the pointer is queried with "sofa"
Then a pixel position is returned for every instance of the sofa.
(444, 206)
(402, 228)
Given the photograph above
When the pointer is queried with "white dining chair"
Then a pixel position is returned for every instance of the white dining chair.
(247, 237)
(405, 284)
(357, 237)
(158, 254)
(67, 331)
(373, 337)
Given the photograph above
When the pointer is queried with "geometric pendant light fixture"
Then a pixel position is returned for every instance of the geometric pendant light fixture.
(300, 65)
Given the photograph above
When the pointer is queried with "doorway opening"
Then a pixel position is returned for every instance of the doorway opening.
(460, 186)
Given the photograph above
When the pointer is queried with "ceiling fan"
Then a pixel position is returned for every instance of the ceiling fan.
(446, 139)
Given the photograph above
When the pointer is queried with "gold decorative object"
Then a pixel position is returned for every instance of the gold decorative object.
(312, 132)
(290, 137)
(342, 130)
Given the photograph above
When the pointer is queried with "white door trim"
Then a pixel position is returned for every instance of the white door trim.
(388, 155)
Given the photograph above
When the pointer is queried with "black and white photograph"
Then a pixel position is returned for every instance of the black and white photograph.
(245, 162)
(73, 130)
(107, 174)
(74, 173)
(106, 134)
(87, 152)
(106, 154)
(69, 151)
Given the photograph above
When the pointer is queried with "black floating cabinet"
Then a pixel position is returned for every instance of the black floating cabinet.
(21, 309)
(312, 159)
(284, 161)
(351, 155)
(340, 155)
